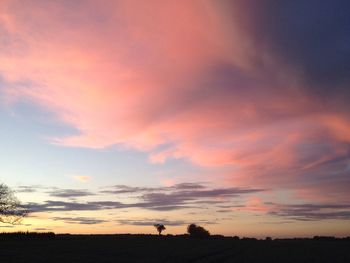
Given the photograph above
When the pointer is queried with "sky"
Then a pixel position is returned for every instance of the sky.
(234, 115)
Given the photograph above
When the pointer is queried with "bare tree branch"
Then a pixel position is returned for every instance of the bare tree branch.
(11, 211)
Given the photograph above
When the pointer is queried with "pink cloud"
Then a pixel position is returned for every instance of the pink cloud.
(176, 81)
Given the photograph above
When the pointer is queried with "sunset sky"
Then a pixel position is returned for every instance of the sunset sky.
(235, 115)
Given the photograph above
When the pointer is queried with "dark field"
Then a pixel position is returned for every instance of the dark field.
(150, 248)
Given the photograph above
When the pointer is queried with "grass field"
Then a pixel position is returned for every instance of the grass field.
(151, 248)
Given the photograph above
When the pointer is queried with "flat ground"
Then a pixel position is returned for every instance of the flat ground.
(149, 248)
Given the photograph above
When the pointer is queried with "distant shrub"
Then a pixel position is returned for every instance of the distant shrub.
(197, 231)
(160, 228)
(268, 239)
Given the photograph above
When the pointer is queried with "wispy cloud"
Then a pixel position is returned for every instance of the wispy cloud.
(50, 205)
(179, 196)
(123, 189)
(311, 212)
(150, 222)
(30, 188)
(42, 229)
(69, 193)
(80, 220)
(194, 196)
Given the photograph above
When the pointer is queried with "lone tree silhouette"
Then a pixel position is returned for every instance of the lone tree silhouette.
(11, 211)
(160, 228)
(197, 231)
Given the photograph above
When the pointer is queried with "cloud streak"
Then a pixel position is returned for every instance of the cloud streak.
(79, 220)
(312, 212)
(179, 196)
(150, 222)
(186, 196)
(71, 193)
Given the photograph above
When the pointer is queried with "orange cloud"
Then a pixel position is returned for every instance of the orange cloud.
(82, 178)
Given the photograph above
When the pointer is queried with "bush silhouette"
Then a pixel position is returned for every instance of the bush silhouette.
(160, 228)
(197, 231)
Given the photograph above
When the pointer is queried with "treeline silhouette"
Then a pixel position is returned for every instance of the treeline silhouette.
(27, 234)
(193, 232)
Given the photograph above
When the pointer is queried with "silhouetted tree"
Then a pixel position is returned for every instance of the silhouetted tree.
(197, 231)
(160, 228)
(11, 210)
